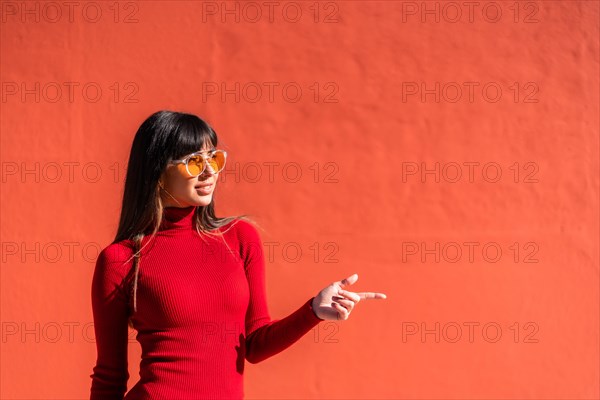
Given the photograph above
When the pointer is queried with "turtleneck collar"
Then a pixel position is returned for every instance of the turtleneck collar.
(178, 218)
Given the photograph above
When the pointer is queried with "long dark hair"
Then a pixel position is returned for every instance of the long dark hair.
(164, 136)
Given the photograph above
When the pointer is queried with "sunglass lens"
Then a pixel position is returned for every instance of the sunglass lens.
(217, 161)
(195, 165)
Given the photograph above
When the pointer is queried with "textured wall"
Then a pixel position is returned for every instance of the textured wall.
(453, 164)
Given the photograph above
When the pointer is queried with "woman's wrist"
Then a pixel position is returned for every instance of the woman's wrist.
(311, 303)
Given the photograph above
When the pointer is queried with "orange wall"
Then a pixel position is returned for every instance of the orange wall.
(364, 130)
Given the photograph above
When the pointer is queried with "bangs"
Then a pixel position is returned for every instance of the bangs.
(192, 135)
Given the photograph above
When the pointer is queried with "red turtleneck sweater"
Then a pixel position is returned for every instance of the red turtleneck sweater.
(201, 312)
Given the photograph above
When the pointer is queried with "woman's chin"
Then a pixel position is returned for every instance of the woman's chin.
(202, 199)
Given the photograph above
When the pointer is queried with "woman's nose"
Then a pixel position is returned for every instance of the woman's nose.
(208, 170)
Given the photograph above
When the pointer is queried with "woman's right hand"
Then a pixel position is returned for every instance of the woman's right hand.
(336, 303)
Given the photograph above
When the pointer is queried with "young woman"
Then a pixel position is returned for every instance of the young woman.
(190, 283)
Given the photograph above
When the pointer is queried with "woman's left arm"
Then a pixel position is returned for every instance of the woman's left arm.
(266, 337)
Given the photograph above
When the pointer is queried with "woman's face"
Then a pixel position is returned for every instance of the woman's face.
(182, 190)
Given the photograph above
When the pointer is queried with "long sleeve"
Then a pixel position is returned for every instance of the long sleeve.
(266, 337)
(109, 304)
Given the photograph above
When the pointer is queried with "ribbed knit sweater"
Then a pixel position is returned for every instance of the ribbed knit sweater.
(201, 312)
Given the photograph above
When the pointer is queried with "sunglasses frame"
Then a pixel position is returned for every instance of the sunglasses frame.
(186, 159)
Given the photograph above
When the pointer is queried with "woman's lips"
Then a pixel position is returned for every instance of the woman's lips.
(206, 189)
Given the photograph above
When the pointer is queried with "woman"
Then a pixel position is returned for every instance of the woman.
(191, 284)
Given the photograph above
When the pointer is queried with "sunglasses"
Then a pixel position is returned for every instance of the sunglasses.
(196, 163)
